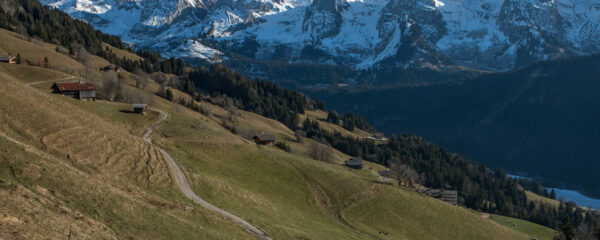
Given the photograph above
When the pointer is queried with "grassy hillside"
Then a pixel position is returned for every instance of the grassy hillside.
(65, 168)
(286, 195)
(35, 51)
(531, 229)
(539, 199)
(292, 197)
(79, 168)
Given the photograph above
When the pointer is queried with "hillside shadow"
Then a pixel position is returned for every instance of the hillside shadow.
(126, 111)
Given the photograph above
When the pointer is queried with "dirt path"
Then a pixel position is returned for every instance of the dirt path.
(186, 189)
(39, 82)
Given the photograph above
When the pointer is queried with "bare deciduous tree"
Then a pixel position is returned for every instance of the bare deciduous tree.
(141, 78)
(111, 86)
(233, 114)
(321, 152)
(403, 173)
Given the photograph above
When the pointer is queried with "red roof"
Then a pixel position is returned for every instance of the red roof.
(75, 86)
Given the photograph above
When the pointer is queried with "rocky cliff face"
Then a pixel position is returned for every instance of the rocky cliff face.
(484, 34)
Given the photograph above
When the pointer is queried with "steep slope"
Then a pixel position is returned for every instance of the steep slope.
(491, 34)
(539, 121)
(123, 189)
(88, 177)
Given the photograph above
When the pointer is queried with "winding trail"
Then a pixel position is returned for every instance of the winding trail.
(186, 189)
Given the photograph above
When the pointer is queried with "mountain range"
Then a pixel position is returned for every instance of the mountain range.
(492, 35)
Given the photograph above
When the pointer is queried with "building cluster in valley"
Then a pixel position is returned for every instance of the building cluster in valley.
(449, 196)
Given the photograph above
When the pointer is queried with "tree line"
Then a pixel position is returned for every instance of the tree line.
(259, 96)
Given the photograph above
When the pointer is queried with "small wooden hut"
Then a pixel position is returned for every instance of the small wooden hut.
(355, 162)
(264, 139)
(111, 67)
(139, 108)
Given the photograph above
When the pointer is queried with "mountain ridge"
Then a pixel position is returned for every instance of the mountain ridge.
(490, 35)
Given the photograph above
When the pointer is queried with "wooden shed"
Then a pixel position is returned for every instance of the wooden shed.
(79, 90)
(140, 108)
(355, 162)
(264, 139)
(385, 173)
(111, 67)
(8, 59)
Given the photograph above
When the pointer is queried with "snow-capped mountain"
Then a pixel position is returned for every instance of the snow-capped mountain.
(363, 34)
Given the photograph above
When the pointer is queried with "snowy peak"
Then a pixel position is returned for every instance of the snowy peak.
(364, 34)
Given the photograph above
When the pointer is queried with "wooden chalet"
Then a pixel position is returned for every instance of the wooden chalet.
(79, 90)
(264, 139)
(139, 108)
(355, 162)
(449, 196)
(8, 59)
(111, 67)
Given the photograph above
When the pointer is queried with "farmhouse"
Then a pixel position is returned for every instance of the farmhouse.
(8, 59)
(449, 196)
(264, 139)
(80, 90)
(111, 67)
(139, 108)
(354, 162)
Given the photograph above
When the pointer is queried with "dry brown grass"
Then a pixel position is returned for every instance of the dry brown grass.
(322, 117)
(31, 74)
(532, 197)
(88, 174)
(122, 53)
(10, 43)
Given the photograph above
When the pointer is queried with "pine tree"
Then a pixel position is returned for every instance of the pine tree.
(567, 228)
(169, 95)
(597, 233)
(18, 58)
(333, 117)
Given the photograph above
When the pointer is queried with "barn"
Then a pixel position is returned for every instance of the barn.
(355, 162)
(79, 90)
(264, 139)
(112, 67)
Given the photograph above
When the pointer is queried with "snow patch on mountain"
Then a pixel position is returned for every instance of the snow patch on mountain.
(364, 34)
(195, 49)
